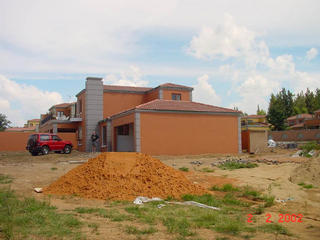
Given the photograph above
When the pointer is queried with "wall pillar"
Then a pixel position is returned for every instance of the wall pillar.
(239, 135)
(93, 109)
(137, 130)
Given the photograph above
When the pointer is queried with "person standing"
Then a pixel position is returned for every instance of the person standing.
(94, 141)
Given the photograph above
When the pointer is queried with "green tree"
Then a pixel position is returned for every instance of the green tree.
(276, 116)
(260, 111)
(299, 105)
(310, 101)
(286, 102)
(317, 99)
(4, 122)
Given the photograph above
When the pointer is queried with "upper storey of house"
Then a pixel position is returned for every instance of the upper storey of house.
(120, 98)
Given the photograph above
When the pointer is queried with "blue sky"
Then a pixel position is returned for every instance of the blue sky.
(234, 53)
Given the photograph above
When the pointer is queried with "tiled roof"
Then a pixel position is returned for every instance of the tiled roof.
(299, 116)
(318, 111)
(300, 125)
(35, 120)
(62, 105)
(173, 105)
(125, 88)
(174, 85)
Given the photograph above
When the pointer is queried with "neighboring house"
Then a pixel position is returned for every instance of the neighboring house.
(297, 122)
(61, 118)
(254, 122)
(313, 123)
(160, 120)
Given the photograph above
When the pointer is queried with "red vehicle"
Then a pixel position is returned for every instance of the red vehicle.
(46, 142)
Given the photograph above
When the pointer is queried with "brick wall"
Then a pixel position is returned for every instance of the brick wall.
(295, 135)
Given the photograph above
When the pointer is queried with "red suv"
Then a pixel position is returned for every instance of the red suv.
(46, 142)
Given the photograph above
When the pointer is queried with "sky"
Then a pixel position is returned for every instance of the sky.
(233, 53)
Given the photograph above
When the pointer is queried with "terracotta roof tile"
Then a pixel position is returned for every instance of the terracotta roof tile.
(62, 105)
(174, 85)
(126, 88)
(172, 105)
(20, 129)
(35, 120)
(299, 116)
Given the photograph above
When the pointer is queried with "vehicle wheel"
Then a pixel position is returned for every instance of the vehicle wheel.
(67, 149)
(34, 153)
(45, 150)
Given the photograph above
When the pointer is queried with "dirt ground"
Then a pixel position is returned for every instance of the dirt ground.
(29, 172)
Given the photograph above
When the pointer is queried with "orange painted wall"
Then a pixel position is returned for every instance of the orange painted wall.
(152, 95)
(117, 102)
(15, 141)
(185, 95)
(178, 134)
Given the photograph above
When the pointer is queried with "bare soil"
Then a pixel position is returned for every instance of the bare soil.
(40, 171)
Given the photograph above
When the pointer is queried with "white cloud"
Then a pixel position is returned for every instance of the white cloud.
(311, 54)
(21, 102)
(132, 77)
(204, 92)
(254, 74)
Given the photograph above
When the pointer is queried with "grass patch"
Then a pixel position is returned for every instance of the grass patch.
(5, 179)
(111, 214)
(274, 228)
(28, 218)
(236, 165)
(208, 170)
(184, 169)
(225, 188)
(307, 186)
(54, 168)
(136, 231)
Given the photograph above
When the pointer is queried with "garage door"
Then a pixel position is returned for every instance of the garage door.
(125, 140)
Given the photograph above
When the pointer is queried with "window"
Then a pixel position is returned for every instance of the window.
(104, 136)
(80, 106)
(44, 137)
(56, 138)
(176, 96)
(123, 130)
(318, 135)
(59, 114)
(284, 136)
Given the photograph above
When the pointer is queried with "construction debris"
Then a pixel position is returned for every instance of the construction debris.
(124, 176)
(141, 200)
(38, 190)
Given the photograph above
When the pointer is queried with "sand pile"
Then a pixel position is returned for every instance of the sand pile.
(308, 172)
(123, 176)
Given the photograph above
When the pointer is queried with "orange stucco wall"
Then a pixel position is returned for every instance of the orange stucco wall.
(15, 141)
(185, 95)
(117, 102)
(177, 134)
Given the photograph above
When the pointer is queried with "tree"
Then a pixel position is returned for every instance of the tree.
(276, 115)
(310, 101)
(299, 105)
(4, 122)
(260, 111)
(317, 99)
(286, 102)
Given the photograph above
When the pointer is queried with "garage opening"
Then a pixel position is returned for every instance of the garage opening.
(125, 140)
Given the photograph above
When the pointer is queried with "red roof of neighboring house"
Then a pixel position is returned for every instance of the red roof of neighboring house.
(62, 105)
(35, 120)
(318, 111)
(300, 125)
(255, 116)
(173, 105)
(20, 129)
(125, 88)
(299, 116)
(174, 85)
